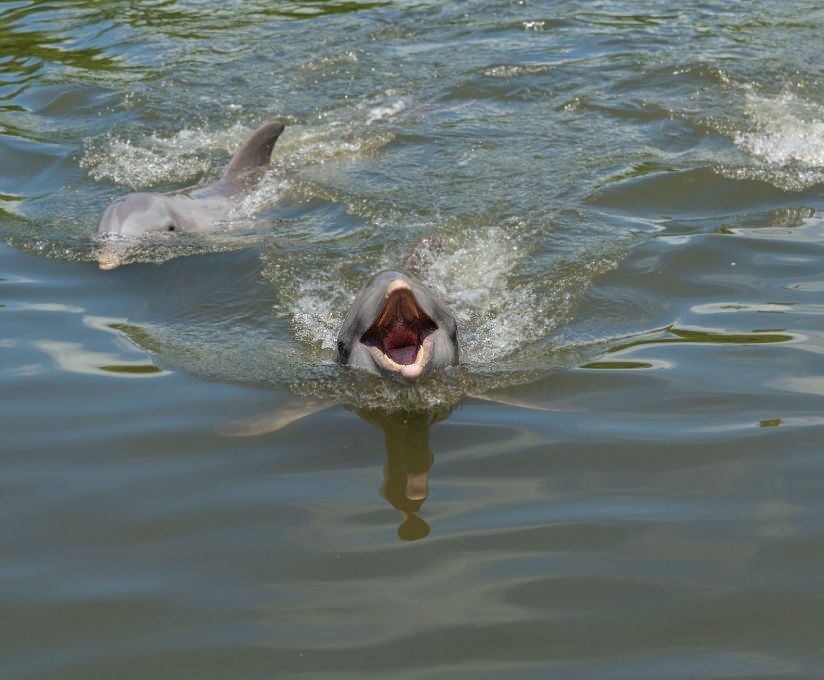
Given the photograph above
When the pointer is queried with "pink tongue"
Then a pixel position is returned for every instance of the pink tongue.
(403, 355)
(401, 344)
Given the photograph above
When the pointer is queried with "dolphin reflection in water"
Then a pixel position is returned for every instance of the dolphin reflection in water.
(408, 454)
(408, 460)
(396, 328)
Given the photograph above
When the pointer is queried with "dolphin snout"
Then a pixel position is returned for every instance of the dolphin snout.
(412, 371)
(110, 254)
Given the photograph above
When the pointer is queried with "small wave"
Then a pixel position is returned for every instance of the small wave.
(788, 179)
(515, 70)
(383, 112)
(11, 204)
(349, 57)
(786, 133)
(270, 189)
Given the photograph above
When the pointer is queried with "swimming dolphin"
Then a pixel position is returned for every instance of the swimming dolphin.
(397, 327)
(195, 209)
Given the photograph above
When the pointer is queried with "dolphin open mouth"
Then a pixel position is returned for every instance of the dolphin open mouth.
(397, 339)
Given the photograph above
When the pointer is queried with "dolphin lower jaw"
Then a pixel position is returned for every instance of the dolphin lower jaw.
(111, 250)
(411, 371)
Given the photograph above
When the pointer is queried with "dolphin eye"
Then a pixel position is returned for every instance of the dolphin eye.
(170, 227)
(343, 355)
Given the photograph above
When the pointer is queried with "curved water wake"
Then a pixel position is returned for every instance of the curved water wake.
(505, 318)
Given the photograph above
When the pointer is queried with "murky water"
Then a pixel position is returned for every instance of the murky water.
(624, 477)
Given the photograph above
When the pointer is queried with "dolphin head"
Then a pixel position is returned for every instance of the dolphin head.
(397, 327)
(137, 214)
(131, 216)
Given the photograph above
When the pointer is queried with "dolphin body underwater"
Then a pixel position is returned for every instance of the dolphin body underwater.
(192, 210)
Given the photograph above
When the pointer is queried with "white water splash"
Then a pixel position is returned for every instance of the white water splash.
(786, 133)
(304, 145)
(534, 25)
(383, 112)
(480, 275)
(318, 311)
(147, 161)
(500, 310)
(516, 70)
(788, 130)
(267, 193)
(474, 281)
(192, 154)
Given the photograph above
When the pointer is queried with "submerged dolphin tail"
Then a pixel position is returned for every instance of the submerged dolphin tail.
(255, 152)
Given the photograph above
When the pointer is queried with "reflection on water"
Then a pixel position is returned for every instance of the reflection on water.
(408, 460)
(690, 335)
(132, 369)
(406, 439)
(619, 364)
(72, 357)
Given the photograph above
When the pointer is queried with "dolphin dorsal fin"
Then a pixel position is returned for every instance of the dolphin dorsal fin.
(254, 153)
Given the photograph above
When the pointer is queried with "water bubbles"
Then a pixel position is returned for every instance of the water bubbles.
(786, 133)
(383, 112)
(155, 159)
(266, 194)
(788, 130)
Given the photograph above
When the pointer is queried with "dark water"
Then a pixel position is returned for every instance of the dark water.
(630, 197)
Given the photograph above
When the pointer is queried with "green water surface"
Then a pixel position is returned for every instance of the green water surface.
(623, 479)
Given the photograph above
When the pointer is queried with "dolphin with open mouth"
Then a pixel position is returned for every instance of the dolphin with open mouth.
(398, 328)
(195, 209)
